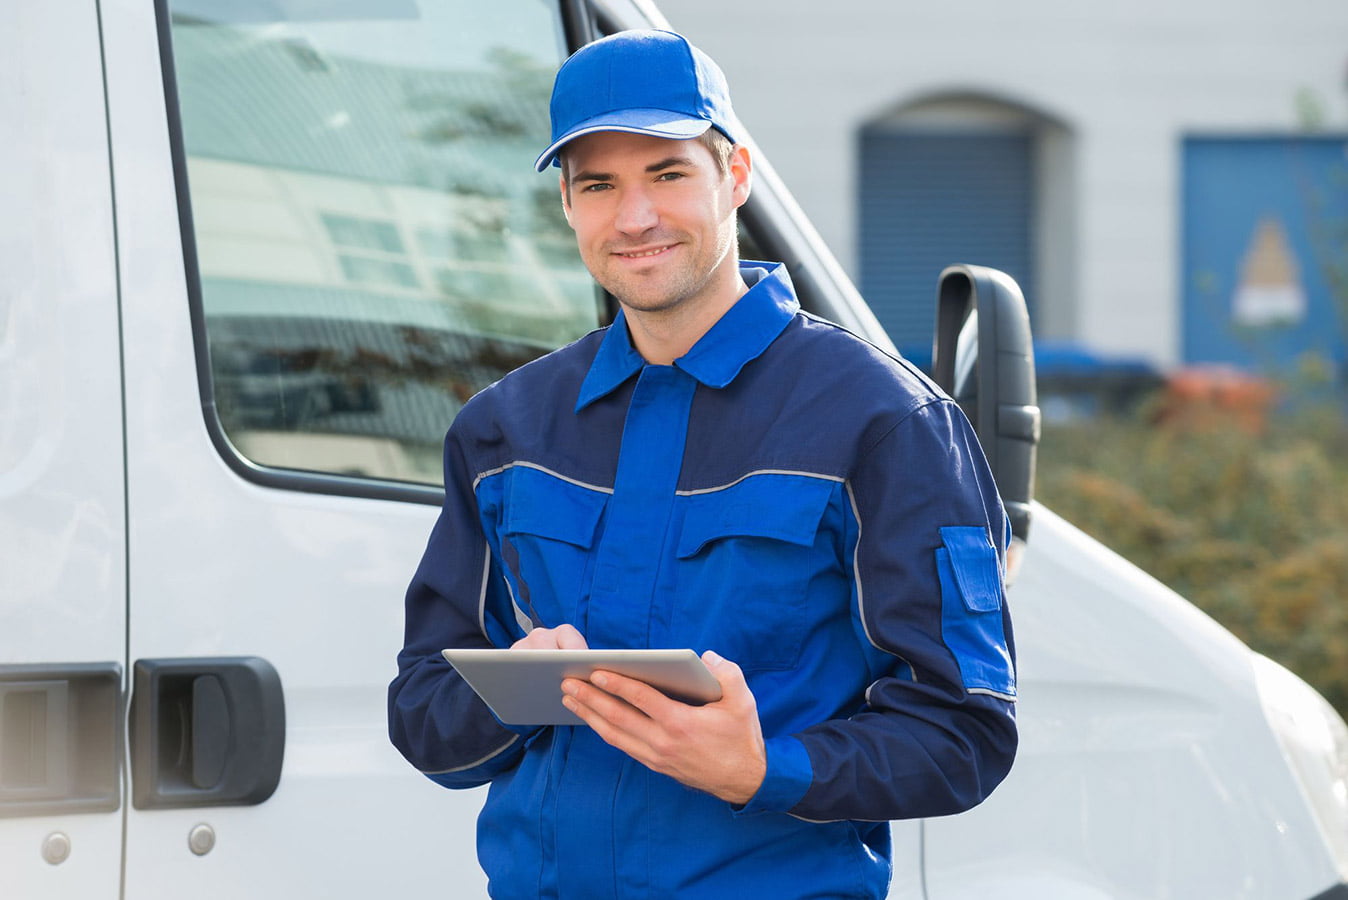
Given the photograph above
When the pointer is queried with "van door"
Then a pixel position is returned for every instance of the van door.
(62, 516)
(330, 237)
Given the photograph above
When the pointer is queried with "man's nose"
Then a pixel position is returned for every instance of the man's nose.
(636, 213)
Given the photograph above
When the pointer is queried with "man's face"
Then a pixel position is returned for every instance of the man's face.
(654, 218)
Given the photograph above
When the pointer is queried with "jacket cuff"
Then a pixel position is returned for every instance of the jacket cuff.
(788, 777)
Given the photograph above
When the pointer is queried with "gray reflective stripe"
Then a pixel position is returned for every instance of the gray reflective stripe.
(521, 617)
(477, 762)
(544, 469)
(482, 594)
(712, 490)
(827, 821)
(861, 596)
(856, 576)
(1010, 698)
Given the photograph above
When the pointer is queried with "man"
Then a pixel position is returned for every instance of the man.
(715, 470)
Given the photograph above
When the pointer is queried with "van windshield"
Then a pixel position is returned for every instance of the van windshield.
(372, 243)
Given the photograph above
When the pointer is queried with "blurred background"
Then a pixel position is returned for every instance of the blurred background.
(1168, 182)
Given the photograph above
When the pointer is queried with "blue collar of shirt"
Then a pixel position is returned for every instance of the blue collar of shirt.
(738, 337)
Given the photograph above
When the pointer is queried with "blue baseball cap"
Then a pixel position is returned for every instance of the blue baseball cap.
(641, 82)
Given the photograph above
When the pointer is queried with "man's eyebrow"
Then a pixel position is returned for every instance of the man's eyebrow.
(669, 163)
(591, 176)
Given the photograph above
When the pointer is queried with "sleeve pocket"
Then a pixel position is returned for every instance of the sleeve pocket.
(971, 610)
(977, 571)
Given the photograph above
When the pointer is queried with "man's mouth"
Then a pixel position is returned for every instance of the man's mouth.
(643, 254)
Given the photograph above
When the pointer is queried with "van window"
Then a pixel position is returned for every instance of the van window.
(372, 244)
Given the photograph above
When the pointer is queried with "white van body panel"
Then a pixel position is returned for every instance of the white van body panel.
(222, 567)
(62, 517)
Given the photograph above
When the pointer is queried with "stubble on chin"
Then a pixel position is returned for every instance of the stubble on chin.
(660, 289)
(664, 288)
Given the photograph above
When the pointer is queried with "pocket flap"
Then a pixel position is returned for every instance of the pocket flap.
(977, 571)
(543, 504)
(780, 507)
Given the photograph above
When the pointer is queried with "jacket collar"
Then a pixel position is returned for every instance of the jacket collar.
(737, 338)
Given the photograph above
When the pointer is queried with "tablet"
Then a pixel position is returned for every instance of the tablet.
(524, 687)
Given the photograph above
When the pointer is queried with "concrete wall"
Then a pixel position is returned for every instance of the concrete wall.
(1128, 82)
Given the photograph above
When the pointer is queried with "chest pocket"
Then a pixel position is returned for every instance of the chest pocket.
(745, 558)
(548, 528)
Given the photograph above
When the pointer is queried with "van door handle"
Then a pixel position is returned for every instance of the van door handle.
(205, 732)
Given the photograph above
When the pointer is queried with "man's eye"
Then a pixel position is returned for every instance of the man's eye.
(595, 187)
(670, 176)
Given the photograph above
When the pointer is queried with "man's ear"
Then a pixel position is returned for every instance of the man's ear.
(741, 174)
(566, 198)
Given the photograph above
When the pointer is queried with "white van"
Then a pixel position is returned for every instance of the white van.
(254, 254)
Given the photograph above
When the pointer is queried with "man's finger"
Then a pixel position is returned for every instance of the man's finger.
(563, 637)
(727, 673)
(615, 720)
(603, 726)
(568, 638)
(610, 706)
(647, 699)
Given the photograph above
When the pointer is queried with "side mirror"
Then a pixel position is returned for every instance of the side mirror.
(984, 358)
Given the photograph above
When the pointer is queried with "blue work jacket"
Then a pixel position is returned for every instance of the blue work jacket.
(785, 494)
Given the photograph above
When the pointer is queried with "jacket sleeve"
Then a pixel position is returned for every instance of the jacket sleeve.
(937, 730)
(435, 719)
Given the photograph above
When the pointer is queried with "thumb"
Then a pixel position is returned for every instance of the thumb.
(725, 671)
(568, 638)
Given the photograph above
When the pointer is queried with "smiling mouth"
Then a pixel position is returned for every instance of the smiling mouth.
(644, 254)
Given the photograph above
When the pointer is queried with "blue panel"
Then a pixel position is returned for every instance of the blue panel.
(1231, 186)
(927, 200)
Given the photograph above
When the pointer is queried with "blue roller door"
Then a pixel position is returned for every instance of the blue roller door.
(927, 200)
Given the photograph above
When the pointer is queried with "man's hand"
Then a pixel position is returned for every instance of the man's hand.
(717, 748)
(563, 637)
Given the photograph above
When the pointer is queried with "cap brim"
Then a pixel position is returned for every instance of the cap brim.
(659, 123)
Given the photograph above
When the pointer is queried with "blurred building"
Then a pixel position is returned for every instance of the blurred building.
(1168, 181)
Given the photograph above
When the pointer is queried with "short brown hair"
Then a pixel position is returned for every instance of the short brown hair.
(721, 147)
